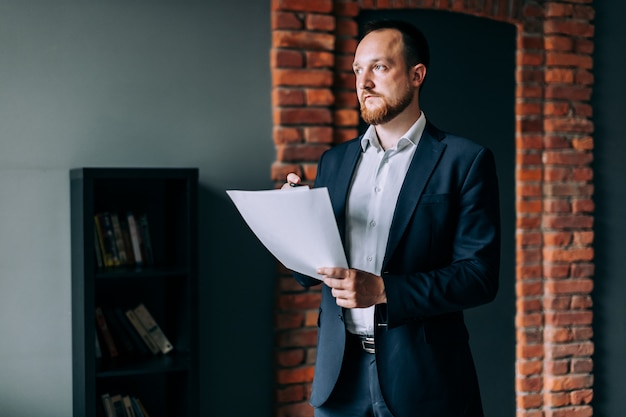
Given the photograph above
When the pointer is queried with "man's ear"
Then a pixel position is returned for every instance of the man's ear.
(418, 74)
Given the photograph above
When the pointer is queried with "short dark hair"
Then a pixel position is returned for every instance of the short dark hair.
(415, 44)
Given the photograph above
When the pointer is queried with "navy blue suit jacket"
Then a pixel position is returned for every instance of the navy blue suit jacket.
(442, 257)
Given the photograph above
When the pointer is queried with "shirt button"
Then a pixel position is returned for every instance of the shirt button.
(377, 189)
(369, 259)
(372, 223)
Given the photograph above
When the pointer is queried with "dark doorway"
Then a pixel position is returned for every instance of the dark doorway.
(470, 91)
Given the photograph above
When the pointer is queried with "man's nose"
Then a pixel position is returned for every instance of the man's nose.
(364, 82)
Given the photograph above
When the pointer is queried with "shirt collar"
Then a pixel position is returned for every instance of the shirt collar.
(412, 136)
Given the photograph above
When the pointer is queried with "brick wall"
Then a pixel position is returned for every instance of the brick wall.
(315, 106)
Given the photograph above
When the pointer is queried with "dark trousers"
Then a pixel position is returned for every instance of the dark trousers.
(357, 393)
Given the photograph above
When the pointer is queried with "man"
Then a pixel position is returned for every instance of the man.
(418, 213)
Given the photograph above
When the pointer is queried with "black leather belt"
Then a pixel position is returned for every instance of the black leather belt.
(366, 342)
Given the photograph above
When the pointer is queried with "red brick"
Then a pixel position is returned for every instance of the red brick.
(583, 396)
(529, 384)
(583, 237)
(584, 46)
(529, 305)
(566, 383)
(525, 367)
(287, 97)
(583, 12)
(342, 134)
(556, 108)
(319, 6)
(309, 171)
(557, 367)
(297, 338)
(285, 20)
(557, 238)
(559, 399)
(318, 134)
(576, 411)
(303, 40)
(291, 393)
(581, 302)
(568, 27)
(559, 75)
(553, 9)
(347, 27)
(300, 152)
(556, 271)
(290, 320)
(584, 143)
(556, 221)
(346, 8)
(527, 109)
(570, 286)
(317, 59)
(279, 173)
(583, 206)
(525, 320)
(283, 58)
(568, 190)
(319, 97)
(283, 135)
(302, 77)
(529, 400)
(582, 109)
(320, 22)
(290, 358)
(559, 43)
(346, 117)
(582, 365)
(567, 92)
(567, 158)
(567, 318)
(581, 269)
(528, 272)
(568, 60)
(298, 301)
(296, 116)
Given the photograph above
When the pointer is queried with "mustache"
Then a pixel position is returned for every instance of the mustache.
(369, 94)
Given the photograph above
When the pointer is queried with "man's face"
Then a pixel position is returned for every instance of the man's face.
(383, 85)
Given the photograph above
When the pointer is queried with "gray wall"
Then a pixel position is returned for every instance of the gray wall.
(164, 83)
(132, 83)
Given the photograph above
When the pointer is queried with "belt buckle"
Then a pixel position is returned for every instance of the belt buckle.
(367, 343)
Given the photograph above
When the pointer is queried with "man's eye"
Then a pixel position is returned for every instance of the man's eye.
(379, 67)
(358, 70)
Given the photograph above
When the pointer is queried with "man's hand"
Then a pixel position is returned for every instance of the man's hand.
(292, 180)
(353, 288)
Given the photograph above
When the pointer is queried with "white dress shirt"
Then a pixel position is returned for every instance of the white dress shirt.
(371, 203)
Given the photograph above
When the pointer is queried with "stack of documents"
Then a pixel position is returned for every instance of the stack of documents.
(296, 225)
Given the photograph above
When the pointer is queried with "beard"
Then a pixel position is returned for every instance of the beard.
(389, 109)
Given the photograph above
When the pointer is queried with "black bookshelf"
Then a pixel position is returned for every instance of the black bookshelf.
(167, 384)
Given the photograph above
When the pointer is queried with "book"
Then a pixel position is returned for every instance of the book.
(107, 404)
(98, 250)
(154, 330)
(105, 333)
(98, 352)
(122, 340)
(103, 239)
(144, 230)
(128, 406)
(135, 238)
(118, 405)
(119, 239)
(130, 332)
(132, 317)
(128, 244)
(141, 407)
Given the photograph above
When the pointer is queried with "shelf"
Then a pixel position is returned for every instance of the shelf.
(166, 284)
(178, 362)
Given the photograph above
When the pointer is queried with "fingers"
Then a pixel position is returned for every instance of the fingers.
(292, 179)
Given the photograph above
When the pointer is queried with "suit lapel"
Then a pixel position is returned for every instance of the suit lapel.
(427, 154)
(342, 184)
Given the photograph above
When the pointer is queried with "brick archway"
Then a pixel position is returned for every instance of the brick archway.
(314, 107)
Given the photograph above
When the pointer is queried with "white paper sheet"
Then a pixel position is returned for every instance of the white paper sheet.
(297, 226)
